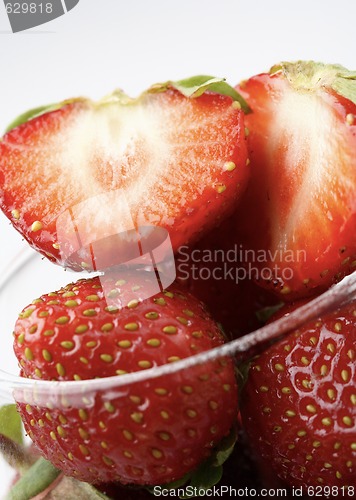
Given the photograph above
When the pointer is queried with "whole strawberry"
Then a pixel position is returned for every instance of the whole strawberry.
(299, 404)
(150, 432)
(299, 234)
(76, 175)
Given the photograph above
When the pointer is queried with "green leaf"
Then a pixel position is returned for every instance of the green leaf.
(225, 448)
(36, 112)
(227, 335)
(37, 479)
(309, 75)
(11, 424)
(243, 369)
(264, 314)
(345, 85)
(27, 116)
(210, 472)
(44, 478)
(206, 477)
(195, 86)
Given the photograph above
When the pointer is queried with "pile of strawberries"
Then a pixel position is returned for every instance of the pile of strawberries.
(256, 188)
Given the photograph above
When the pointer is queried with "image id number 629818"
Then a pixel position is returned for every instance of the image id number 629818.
(29, 8)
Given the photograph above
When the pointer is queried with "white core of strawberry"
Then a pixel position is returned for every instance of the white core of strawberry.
(149, 148)
(131, 145)
(311, 146)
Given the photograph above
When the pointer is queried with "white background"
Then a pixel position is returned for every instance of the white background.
(104, 44)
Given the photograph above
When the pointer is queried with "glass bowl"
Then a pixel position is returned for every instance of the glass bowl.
(28, 276)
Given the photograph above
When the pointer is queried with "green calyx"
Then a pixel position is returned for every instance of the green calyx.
(209, 473)
(37, 479)
(35, 112)
(12, 448)
(189, 87)
(309, 75)
(44, 479)
(195, 86)
(11, 424)
(27, 116)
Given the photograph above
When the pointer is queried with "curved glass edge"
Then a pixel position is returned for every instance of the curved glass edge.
(338, 295)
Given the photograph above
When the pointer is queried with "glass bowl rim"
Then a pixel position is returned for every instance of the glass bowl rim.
(336, 296)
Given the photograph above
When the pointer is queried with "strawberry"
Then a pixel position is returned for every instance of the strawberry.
(148, 432)
(300, 233)
(243, 472)
(211, 270)
(79, 178)
(298, 404)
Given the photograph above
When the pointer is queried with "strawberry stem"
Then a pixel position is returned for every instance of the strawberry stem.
(34, 481)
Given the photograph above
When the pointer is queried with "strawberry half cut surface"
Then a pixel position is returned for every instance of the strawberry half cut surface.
(297, 221)
(149, 432)
(298, 404)
(83, 172)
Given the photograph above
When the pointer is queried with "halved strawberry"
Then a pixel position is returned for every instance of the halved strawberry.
(148, 432)
(297, 221)
(83, 172)
(298, 404)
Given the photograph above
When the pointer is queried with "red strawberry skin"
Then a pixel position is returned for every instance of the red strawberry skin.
(146, 433)
(298, 405)
(163, 159)
(301, 200)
